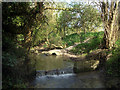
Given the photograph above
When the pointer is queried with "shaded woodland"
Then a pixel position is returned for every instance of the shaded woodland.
(32, 26)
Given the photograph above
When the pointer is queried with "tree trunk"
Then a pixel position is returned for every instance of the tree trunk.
(28, 27)
(110, 19)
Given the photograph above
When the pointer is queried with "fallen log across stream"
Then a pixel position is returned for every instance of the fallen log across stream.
(64, 52)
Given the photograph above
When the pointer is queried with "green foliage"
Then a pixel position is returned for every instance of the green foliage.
(117, 43)
(113, 64)
(91, 45)
(20, 37)
(19, 21)
(14, 17)
(15, 72)
(71, 39)
(38, 36)
(65, 22)
(81, 48)
(21, 18)
(11, 55)
(82, 18)
(7, 43)
(55, 39)
(9, 60)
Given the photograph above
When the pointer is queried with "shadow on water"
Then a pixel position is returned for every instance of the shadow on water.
(44, 62)
(57, 72)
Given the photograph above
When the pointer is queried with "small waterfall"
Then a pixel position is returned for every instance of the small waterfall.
(54, 72)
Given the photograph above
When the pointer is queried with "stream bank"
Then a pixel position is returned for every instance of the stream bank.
(60, 71)
(82, 64)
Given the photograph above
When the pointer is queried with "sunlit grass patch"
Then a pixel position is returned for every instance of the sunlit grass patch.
(93, 44)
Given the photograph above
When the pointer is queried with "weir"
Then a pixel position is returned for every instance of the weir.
(58, 72)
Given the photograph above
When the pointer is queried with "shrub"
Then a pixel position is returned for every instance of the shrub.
(113, 64)
(71, 39)
(91, 45)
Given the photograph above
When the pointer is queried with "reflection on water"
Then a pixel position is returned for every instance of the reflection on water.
(44, 62)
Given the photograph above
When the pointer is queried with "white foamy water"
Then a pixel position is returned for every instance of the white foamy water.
(56, 76)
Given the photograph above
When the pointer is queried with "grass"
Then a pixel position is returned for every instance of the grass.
(71, 39)
(75, 38)
(91, 45)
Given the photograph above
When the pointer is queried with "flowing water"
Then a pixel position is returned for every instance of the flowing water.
(57, 72)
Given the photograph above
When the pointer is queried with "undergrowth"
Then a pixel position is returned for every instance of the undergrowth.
(93, 44)
(14, 72)
(113, 64)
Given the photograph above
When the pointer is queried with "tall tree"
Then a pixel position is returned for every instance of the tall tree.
(87, 17)
(22, 18)
(64, 21)
(110, 19)
(82, 17)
